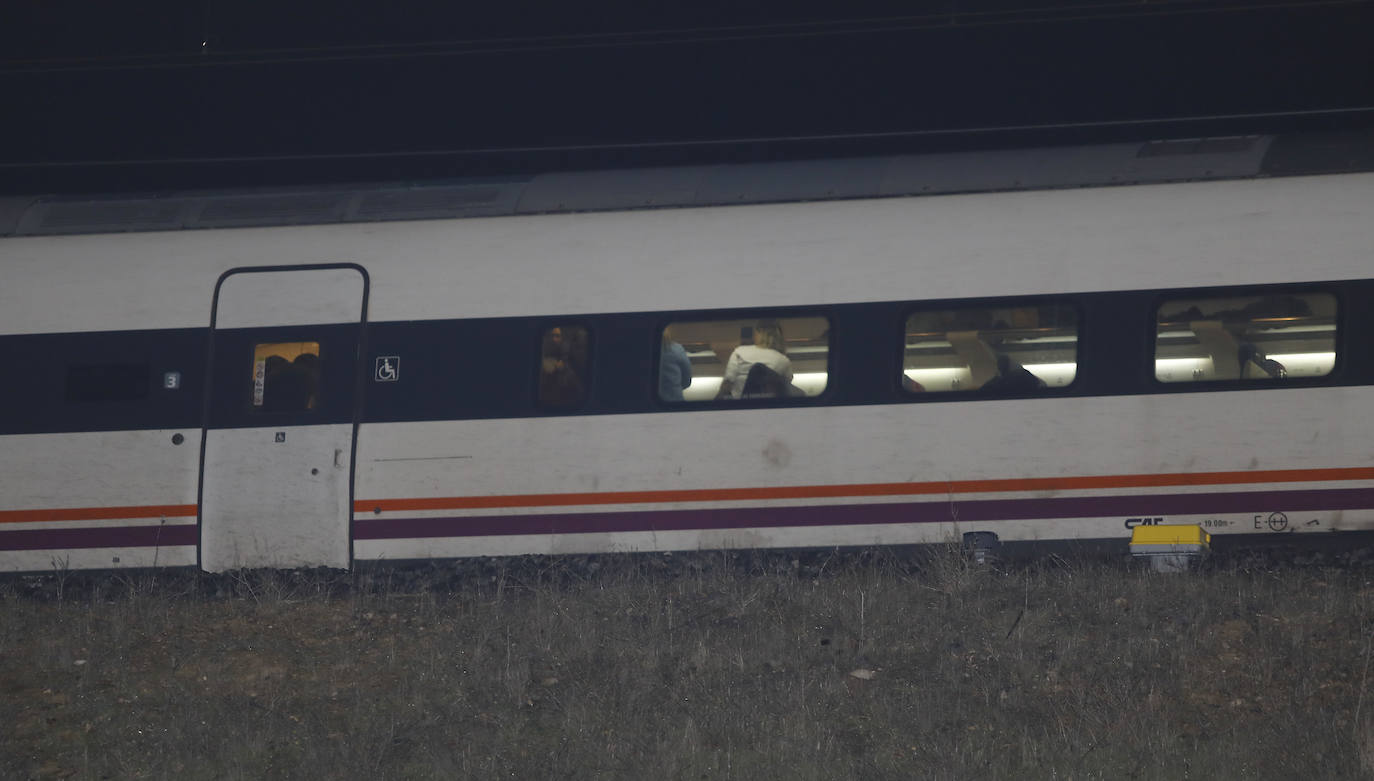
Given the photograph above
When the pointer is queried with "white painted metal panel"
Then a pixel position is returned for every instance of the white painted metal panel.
(98, 469)
(973, 440)
(269, 503)
(102, 482)
(97, 558)
(990, 244)
(304, 297)
(279, 496)
(728, 539)
(1239, 432)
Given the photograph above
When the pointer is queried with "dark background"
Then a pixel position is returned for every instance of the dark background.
(161, 95)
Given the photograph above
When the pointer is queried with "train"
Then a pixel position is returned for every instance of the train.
(1053, 344)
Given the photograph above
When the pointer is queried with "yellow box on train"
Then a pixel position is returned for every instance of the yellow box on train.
(1190, 535)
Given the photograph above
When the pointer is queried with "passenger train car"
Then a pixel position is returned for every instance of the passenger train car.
(1046, 344)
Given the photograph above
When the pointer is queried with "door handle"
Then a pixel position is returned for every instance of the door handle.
(338, 453)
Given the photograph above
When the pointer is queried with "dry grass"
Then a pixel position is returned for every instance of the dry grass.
(710, 666)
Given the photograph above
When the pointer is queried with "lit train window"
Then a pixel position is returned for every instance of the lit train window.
(744, 358)
(1271, 337)
(563, 366)
(1006, 349)
(286, 376)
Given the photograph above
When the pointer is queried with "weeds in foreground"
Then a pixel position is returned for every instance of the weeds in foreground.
(871, 665)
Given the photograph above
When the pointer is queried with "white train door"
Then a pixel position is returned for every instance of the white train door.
(280, 414)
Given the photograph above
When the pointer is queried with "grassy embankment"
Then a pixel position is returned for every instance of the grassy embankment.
(708, 666)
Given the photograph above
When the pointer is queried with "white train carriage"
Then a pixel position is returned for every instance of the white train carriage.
(1053, 344)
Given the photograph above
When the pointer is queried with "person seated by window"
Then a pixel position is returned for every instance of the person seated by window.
(291, 387)
(560, 382)
(763, 383)
(1012, 377)
(674, 369)
(308, 366)
(1248, 355)
(768, 349)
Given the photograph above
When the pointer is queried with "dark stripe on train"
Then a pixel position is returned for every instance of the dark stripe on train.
(99, 537)
(940, 511)
(463, 369)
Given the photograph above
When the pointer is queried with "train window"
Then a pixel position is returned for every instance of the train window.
(286, 376)
(1271, 337)
(107, 382)
(1026, 348)
(563, 366)
(744, 358)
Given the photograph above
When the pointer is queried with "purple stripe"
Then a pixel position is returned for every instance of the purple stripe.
(852, 514)
(98, 537)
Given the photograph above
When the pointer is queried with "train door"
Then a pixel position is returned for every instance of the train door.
(281, 410)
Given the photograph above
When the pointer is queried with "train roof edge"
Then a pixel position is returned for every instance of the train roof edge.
(1171, 160)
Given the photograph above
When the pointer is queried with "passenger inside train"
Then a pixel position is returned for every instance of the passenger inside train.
(1024, 349)
(760, 366)
(1245, 337)
(674, 368)
(286, 376)
(562, 366)
(737, 359)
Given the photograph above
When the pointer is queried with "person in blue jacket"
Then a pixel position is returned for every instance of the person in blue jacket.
(674, 369)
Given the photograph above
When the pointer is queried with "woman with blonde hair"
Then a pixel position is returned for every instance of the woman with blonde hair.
(769, 350)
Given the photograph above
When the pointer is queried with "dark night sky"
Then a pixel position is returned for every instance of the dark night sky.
(344, 91)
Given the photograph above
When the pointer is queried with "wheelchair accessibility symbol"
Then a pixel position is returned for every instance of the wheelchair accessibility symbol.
(388, 368)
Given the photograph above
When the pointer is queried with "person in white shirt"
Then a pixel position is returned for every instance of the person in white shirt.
(768, 349)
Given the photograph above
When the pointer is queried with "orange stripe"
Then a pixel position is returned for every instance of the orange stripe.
(99, 513)
(870, 489)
